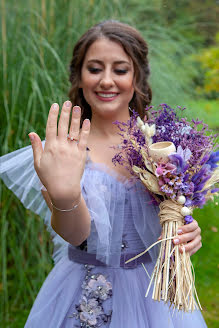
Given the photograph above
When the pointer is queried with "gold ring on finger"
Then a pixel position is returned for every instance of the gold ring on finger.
(72, 138)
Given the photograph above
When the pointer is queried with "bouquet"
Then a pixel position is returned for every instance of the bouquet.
(176, 160)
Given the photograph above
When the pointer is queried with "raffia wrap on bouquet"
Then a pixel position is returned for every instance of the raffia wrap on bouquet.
(173, 279)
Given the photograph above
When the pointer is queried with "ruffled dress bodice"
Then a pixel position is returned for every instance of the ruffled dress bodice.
(123, 216)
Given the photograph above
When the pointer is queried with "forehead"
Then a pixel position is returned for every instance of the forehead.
(106, 50)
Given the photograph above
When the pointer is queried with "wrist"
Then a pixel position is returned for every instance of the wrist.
(64, 209)
(66, 203)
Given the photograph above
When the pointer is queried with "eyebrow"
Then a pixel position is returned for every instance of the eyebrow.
(115, 62)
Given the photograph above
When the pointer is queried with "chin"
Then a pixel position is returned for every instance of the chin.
(108, 110)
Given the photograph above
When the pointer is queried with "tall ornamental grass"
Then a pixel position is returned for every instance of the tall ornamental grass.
(37, 38)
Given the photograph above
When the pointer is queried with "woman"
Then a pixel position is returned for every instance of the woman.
(103, 215)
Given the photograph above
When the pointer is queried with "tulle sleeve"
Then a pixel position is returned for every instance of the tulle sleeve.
(117, 210)
(18, 173)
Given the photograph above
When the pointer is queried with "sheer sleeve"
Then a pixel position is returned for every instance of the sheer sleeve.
(113, 205)
(18, 173)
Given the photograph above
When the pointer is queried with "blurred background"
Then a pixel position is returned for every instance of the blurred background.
(37, 38)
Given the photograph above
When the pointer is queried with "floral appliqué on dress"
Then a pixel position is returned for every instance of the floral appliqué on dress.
(95, 290)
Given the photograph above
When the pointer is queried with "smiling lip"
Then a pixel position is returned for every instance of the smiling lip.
(106, 96)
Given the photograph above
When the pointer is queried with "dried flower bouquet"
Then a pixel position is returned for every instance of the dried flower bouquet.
(176, 160)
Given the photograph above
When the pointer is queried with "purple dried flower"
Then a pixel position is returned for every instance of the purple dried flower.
(178, 161)
(213, 159)
(214, 190)
(198, 199)
(192, 164)
(188, 219)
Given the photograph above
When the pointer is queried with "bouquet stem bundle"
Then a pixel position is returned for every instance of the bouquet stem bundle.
(172, 275)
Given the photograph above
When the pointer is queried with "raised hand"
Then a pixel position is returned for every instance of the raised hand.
(61, 163)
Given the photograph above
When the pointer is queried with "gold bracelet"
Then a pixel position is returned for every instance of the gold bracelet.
(71, 209)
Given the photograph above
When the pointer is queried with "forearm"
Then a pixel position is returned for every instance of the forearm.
(73, 226)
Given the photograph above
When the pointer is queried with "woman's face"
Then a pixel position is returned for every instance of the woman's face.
(107, 78)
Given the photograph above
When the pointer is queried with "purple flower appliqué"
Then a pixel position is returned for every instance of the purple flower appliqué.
(89, 311)
(99, 287)
(95, 290)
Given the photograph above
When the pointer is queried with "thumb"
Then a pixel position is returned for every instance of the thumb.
(37, 148)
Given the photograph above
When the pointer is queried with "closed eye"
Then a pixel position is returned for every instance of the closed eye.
(94, 70)
(121, 71)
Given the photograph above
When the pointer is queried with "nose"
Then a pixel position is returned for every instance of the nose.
(106, 81)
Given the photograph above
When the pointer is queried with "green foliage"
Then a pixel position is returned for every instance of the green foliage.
(37, 39)
(209, 62)
(206, 110)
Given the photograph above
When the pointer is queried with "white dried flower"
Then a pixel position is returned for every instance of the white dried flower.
(181, 199)
(139, 122)
(143, 129)
(185, 211)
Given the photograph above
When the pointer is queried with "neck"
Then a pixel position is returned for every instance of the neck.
(103, 127)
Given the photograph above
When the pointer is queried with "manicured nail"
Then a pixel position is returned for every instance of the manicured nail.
(76, 109)
(176, 241)
(55, 106)
(31, 136)
(86, 122)
(179, 231)
(67, 103)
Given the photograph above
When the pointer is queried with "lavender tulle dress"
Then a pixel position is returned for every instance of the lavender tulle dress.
(91, 286)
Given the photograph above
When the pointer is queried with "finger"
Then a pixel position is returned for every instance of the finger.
(189, 247)
(194, 250)
(64, 120)
(188, 227)
(182, 239)
(84, 135)
(51, 126)
(75, 122)
(37, 148)
(160, 237)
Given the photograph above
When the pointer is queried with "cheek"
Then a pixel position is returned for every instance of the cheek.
(128, 87)
(126, 84)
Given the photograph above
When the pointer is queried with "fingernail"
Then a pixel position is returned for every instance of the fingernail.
(77, 109)
(86, 122)
(179, 231)
(55, 106)
(176, 241)
(31, 136)
(67, 103)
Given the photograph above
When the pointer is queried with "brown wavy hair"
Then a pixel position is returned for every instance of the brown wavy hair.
(134, 46)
